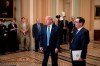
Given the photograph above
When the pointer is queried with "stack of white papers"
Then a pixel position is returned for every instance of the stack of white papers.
(76, 55)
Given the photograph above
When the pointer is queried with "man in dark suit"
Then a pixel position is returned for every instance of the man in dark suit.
(71, 27)
(50, 41)
(64, 28)
(36, 33)
(80, 41)
(3, 34)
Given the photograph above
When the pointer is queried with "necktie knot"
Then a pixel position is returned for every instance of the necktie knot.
(76, 31)
(48, 30)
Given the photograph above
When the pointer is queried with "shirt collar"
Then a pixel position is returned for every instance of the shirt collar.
(80, 28)
(50, 25)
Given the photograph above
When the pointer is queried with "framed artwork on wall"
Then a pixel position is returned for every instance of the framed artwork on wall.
(97, 12)
(7, 9)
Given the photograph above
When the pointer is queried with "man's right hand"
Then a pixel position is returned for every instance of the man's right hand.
(23, 32)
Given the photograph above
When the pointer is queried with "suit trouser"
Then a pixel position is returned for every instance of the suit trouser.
(37, 40)
(64, 36)
(25, 42)
(13, 46)
(79, 63)
(2, 46)
(54, 57)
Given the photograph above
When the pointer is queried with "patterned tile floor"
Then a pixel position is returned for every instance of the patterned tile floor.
(31, 58)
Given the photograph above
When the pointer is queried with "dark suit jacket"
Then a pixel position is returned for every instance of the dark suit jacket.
(54, 38)
(62, 24)
(35, 31)
(13, 33)
(80, 41)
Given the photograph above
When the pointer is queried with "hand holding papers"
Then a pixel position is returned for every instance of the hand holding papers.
(76, 55)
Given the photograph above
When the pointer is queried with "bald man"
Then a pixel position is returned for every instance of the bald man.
(36, 28)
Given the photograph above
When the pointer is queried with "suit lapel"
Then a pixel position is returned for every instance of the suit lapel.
(45, 30)
(36, 26)
(79, 32)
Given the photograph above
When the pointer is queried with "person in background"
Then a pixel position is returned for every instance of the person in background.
(24, 32)
(12, 28)
(80, 42)
(58, 17)
(36, 29)
(64, 28)
(50, 41)
(3, 34)
(71, 27)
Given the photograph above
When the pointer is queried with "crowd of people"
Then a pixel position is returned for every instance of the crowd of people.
(54, 33)
(48, 37)
(9, 36)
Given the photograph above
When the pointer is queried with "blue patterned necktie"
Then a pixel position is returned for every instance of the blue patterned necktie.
(48, 35)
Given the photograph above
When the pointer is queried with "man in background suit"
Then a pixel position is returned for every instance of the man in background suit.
(3, 34)
(50, 41)
(36, 33)
(13, 43)
(71, 27)
(64, 28)
(80, 41)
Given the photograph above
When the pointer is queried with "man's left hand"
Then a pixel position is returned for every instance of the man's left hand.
(80, 59)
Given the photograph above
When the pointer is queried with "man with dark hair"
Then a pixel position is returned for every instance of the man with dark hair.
(81, 20)
(71, 27)
(80, 42)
